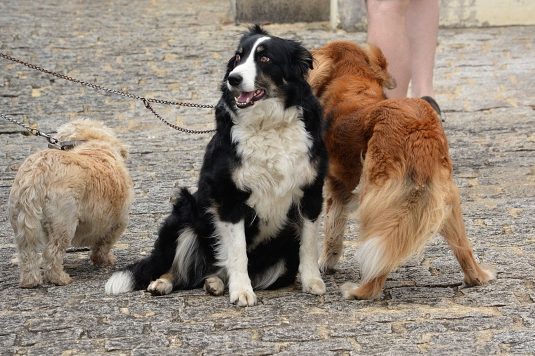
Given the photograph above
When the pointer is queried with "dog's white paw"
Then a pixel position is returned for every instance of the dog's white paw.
(243, 298)
(214, 285)
(314, 285)
(160, 287)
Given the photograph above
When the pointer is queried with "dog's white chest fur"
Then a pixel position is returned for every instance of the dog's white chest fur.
(274, 148)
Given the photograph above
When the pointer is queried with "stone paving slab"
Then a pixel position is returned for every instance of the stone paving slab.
(177, 50)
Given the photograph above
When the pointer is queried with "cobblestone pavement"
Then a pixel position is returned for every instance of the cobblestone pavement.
(177, 50)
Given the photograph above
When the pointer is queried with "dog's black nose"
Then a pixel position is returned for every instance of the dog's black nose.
(235, 79)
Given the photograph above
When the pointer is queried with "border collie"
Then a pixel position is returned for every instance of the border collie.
(253, 222)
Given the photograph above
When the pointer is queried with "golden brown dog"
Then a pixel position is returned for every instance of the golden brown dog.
(397, 150)
(77, 197)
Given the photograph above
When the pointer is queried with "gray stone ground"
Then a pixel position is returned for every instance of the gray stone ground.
(177, 50)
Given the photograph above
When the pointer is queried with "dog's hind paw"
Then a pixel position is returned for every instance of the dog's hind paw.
(101, 260)
(243, 298)
(348, 290)
(214, 285)
(366, 291)
(59, 279)
(314, 286)
(489, 273)
(481, 276)
(327, 261)
(160, 286)
(30, 281)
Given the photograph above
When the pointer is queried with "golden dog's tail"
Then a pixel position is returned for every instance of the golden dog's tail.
(397, 219)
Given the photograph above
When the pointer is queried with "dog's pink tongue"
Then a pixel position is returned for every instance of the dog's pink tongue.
(245, 97)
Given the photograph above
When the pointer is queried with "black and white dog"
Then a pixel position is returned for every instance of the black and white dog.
(253, 221)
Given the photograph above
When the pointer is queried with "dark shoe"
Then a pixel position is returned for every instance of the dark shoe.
(435, 106)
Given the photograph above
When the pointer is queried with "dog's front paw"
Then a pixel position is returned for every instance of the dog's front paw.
(59, 279)
(243, 298)
(160, 287)
(314, 285)
(214, 285)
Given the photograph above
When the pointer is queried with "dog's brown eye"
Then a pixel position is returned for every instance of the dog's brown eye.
(264, 59)
(237, 59)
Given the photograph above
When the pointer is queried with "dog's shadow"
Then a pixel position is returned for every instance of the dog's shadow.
(79, 266)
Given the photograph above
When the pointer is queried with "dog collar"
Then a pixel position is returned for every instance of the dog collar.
(65, 145)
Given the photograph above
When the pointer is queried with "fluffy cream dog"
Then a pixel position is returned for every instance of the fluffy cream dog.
(78, 197)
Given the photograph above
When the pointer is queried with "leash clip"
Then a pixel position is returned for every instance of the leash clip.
(54, 143)
(62, 146)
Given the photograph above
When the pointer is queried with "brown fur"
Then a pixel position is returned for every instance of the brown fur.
(397, 150)
(77, 197)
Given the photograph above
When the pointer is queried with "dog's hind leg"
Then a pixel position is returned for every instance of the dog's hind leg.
(101, 253)
(25, 215)
(28, 247)
(60, 237)
(175, 251)
(453, 231)
(185, 266)
(336, 214)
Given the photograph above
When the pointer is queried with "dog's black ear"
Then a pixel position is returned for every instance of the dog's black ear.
(257, 30)
(303, 58)
(230, 66)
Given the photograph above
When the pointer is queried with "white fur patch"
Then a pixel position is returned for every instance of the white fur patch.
(247, 69)
(308, 251)
(231, 245)
(274, 148)
(185, 252)
(120, 282)
(308, 255)
(370, 255)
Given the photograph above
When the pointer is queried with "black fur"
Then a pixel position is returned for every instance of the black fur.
(217, 190)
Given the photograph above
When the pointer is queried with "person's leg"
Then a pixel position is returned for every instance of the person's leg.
(422, 30)
(387, 30)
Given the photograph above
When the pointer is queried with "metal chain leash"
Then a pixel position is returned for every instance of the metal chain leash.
(51, 140)
(146, 101)
(176, 127)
